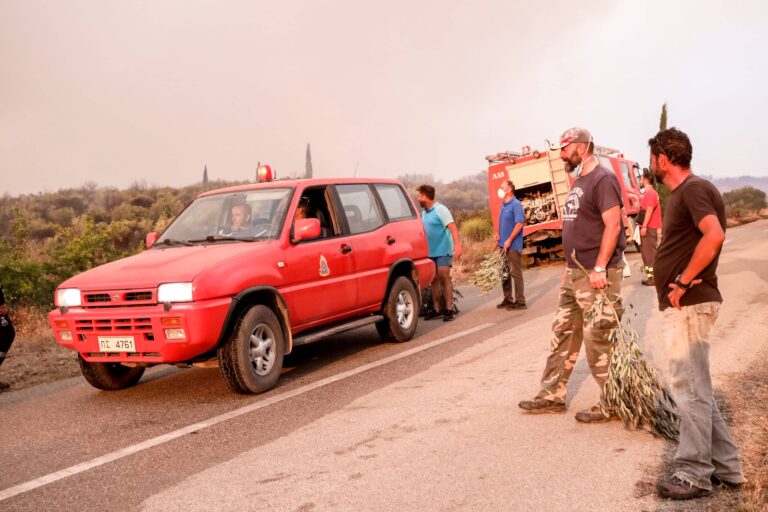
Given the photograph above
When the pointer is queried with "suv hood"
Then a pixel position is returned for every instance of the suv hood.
(167, 265)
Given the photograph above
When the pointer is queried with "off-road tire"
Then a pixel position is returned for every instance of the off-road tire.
(401, 312)
(252, 358)
(110, 376)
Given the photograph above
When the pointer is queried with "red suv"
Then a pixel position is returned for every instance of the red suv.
(245, 274)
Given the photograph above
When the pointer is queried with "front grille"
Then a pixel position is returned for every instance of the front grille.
(97, 297)
(116, 298)
(142, 296)
(114, 324)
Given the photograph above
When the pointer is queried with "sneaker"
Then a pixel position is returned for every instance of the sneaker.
(449, 316)
(716, 480)
(648, 282)
(517, 305)
(539, 405)
(433, 314)
(504, 304)
(4, 385)
(678, 489)
(592, 415)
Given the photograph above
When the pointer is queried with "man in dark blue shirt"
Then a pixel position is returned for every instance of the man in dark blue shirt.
(510, 240)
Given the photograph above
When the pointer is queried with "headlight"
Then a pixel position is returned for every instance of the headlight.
(68, 297)
(174, 292)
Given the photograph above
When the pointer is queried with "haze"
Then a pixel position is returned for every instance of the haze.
(117, 92)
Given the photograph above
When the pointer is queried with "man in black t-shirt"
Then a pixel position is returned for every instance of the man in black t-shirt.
(686, 282)
(592, 231)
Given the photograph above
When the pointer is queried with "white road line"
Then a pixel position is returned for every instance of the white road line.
(155, 441)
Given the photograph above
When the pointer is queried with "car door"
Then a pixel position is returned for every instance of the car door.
(369, 240)
(321, 272)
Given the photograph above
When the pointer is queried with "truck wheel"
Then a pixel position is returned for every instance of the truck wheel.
(401, 312)
(110, 376)
(252, 358)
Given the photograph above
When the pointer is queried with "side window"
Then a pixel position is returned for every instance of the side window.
(360, 208)
(395, 202)
(626, 175)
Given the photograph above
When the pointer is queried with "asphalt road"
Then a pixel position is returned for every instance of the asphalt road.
(356, 424)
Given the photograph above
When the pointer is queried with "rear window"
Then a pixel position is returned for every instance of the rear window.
(395, 202)
(360, 208)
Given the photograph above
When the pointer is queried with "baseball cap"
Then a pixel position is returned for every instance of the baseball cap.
(572, 135)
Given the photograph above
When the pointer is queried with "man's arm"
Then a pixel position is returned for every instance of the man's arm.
(457, 250)
(703, 254)
(612, 221)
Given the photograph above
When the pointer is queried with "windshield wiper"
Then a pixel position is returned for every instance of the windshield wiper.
(171, 241)
(221, 238)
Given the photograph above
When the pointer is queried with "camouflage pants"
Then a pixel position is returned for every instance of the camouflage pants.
(569, 330)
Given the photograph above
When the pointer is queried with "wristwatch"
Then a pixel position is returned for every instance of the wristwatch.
(599, 269)
(679, 283)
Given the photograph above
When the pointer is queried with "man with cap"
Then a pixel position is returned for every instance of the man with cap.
(592, 232)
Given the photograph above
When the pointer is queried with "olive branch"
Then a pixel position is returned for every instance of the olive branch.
(492, 272)
(633, 389)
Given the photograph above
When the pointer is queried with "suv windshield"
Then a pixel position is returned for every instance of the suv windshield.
(243, 216)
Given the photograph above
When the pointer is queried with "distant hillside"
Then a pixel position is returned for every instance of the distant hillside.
(728, 184)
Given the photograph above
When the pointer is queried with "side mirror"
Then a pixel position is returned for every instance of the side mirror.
(306, 229)
(150, 239)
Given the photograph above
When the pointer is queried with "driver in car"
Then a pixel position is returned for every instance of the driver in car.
(241, 217)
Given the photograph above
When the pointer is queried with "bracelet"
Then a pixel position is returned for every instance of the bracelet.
(679, 283)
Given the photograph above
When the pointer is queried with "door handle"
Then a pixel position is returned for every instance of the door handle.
(390, 240)
(345, 249)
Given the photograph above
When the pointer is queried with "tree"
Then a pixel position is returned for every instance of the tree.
(205, 176)
(308, 164)
(661, 188)
(743, 201)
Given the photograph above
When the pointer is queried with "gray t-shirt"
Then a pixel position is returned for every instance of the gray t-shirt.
(583, 225)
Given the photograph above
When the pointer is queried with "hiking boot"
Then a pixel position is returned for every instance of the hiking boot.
(678, 489)
(504, 304)
(4, 385)
(449, 316)
(540, 405)
(592, 415)
(433, 314)
(716, 480)
(517, 305)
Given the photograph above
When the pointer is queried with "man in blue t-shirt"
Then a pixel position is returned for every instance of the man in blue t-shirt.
(443, 242)
(510, 240)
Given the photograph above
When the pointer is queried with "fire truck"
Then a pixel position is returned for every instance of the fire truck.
(542, 186)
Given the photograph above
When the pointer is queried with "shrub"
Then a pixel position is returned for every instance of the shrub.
(743, 201)
(476, 229)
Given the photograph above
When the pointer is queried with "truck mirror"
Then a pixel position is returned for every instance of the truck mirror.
(306, 229)
(150, 240)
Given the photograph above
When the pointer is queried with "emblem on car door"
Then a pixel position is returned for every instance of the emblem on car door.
(324, 270)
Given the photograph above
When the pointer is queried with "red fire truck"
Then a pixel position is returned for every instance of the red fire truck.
(542, 186)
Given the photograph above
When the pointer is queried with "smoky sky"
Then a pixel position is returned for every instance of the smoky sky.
(117, 92)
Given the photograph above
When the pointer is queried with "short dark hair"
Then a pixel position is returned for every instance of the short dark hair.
(511, 185)
(304, 205)
(427, 190)
(675, 145)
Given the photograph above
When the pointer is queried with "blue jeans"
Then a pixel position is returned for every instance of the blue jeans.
(705, 448)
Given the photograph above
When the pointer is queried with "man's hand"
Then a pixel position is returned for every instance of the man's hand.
(598, 280)
(507, 245)
(677, 293)
(457, 252)
(643, 230)
(497, 237)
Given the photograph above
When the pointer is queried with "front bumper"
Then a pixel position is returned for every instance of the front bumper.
(202, 323)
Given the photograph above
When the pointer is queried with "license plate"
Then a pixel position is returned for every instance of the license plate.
(117, 344)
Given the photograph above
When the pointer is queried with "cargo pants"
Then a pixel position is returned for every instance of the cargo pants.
(569, 329)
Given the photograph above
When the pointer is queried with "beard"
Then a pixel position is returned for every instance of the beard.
(423, 204)
(572, 162)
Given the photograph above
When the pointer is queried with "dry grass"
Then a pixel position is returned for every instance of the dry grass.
(35, 358)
